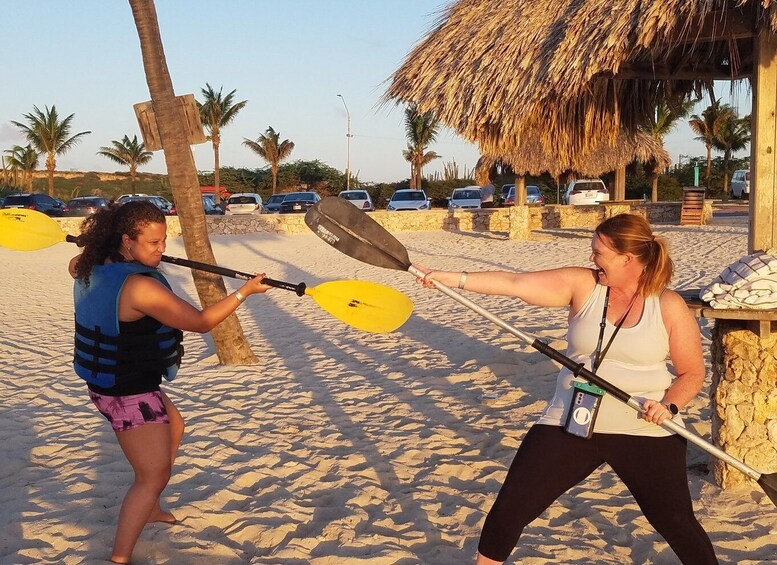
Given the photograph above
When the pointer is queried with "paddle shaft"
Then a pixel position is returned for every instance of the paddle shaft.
(299, 288)
(579, 370)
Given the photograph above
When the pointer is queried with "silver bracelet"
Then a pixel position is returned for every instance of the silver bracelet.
(463, 279)
(239, 296)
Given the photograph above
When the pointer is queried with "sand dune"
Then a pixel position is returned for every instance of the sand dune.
(341, 446)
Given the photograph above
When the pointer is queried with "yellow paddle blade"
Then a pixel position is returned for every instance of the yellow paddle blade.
(28, 230)
(368, 306)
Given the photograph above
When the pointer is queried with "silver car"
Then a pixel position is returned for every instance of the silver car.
(467, 198)
(359, 198)
(409, 199)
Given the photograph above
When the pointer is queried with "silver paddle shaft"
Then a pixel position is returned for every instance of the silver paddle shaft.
(666, 424)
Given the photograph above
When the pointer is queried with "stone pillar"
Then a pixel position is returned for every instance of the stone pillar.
(520, 227)
(743, 396)
(611, 210)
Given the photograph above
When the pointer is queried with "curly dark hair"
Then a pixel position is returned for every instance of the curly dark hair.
(101, 233)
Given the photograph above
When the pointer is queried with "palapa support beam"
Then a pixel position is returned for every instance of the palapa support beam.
(763, 147)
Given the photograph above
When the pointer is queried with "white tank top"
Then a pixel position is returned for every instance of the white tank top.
(635, 363)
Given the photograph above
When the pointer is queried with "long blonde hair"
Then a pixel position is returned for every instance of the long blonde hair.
(629, 233)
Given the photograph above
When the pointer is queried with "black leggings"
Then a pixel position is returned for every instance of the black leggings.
(550, 461)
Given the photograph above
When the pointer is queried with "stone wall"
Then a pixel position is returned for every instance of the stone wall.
(514, 221)
(744, 399)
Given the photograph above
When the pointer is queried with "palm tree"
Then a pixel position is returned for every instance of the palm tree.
(733, 135)
(217, 112)
(6, 169)
(706, 129)
(231, 345)
(268, 147)
(421, 130)
(49, 136)
(659, 126)
(10, 170)
(24, 159)
(128, 152)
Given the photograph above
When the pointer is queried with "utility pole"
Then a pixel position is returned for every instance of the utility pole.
(348, 147)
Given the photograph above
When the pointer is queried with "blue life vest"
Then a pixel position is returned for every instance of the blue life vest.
(101, 351)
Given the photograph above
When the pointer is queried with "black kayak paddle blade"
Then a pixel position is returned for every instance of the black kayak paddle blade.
(768, 483)
(349, 230)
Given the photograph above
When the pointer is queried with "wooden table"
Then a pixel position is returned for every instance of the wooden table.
(759, 322)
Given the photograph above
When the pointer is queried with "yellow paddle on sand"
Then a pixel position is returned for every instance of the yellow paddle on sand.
(367, 306)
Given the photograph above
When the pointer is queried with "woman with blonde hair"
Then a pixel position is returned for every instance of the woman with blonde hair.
(623, 324)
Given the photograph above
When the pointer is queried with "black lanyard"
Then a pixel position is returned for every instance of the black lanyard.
(599, 354)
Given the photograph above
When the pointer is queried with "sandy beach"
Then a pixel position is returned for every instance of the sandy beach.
(340, 446)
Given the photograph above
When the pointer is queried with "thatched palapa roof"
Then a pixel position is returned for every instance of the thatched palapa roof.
(532, 159)
(496, 70)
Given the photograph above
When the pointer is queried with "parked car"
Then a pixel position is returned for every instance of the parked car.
(119, 199)
(586, 191)
(85, 205)
(740, 184)
(504, 191)
(409, 199)
(296, 202)
(244, 203)
(467, 197)
(209, 206)
(35, 201)
(221, 206)
(162, 203)
(167, 206)
(533, 195)
(359, 198)
(273, 204)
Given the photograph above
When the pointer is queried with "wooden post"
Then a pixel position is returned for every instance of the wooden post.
(620, 184)
(763, 150)
(520, 190)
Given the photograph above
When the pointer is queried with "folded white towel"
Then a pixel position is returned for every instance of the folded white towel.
(750, 282)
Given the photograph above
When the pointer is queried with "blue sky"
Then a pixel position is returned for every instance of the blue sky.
(289, 59)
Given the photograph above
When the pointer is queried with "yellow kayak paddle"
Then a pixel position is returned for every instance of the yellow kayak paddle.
(367, 306)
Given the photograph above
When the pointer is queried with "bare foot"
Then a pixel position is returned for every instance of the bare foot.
(160, 515)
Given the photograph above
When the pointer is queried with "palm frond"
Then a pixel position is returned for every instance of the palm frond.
(500, 71)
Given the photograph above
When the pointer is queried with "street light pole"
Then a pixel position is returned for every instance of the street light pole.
(348, 147)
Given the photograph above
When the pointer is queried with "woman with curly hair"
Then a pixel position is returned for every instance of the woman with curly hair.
(128, 336)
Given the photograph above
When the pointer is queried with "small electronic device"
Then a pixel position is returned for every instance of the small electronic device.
(583, 410)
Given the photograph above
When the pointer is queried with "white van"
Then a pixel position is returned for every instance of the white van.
(740, 184)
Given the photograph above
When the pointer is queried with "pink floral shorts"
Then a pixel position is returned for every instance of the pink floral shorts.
(128, 412)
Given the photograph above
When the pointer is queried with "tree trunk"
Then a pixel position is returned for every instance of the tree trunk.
(216, 164)
(133, 177)
(416, 175)
(726, 161)
(274, 169)
(708, 178)
(654, 190)
(51, 164)
(231, 345)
